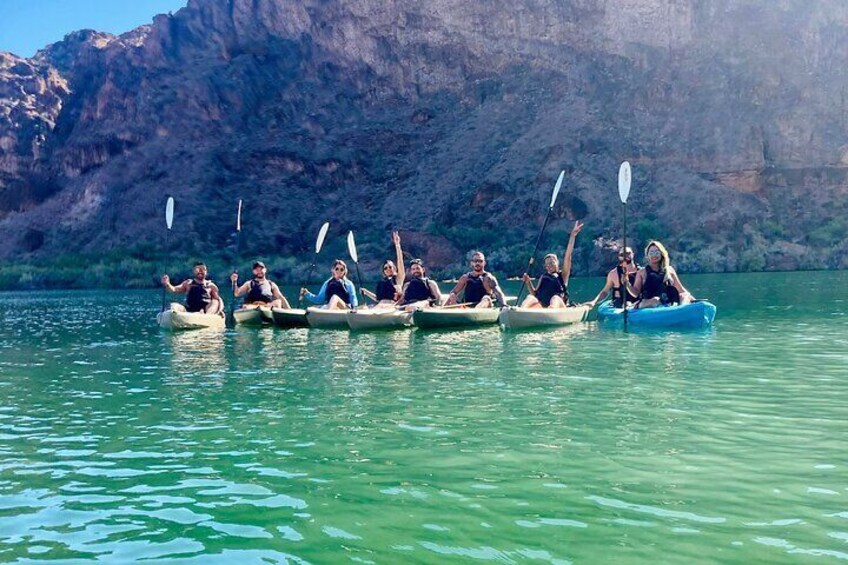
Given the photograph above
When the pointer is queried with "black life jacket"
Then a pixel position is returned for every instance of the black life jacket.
(656, 287)
(475, 288)
(550, 286)
(386, 288)
(335, 287)
(617, 291)
(260, 292)
(418, 289)
(199, 295)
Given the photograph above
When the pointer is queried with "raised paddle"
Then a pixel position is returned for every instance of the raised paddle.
(542, 231)
(235, 261)
(351, 247)
(319, 243)
(623, 193)
(169, 221)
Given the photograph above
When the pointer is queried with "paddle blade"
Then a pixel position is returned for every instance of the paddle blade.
(556, 188)
(322, 233)
(624, 182)
(238, 217)
(169, 212)
(351, 247)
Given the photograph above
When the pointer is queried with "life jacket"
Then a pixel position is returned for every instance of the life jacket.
(617, 291)
(199, 295)
(335, 287)
(475, 288)
(418, 289)
(260, 292)
(386, 289)
(550, 286)
(656, 287)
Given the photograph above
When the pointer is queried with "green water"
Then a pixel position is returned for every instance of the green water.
(122, 443)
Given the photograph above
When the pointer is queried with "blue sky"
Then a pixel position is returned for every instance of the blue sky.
(28, 25)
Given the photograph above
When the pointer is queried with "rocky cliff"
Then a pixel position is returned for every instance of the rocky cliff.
(449, 120)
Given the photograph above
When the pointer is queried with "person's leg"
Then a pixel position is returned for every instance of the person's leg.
(336, 303)
(485, 302)
(685, 298)
(215, 306)
(557, 302)
(531, 302)
(648, 303)
(276, 303)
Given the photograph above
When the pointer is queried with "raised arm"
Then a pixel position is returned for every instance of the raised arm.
(243, 289)
(569, 251)
(179, 289)
(401, 271)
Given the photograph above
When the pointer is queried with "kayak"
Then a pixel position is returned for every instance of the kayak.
(378, 319)
(454, 317)
(176, 318)
(289, 317)
(695, 315)
(513, 318)
(253, 316)
(327, 319)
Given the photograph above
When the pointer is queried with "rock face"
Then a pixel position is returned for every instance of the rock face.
(449, 120)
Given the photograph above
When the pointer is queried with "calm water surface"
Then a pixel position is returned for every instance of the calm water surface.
(122, 443)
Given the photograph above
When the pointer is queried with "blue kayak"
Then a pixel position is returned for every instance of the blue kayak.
(695, 315)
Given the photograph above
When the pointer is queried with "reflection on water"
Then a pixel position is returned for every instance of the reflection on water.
(123, 443)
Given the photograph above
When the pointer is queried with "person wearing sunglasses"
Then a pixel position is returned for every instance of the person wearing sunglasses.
(387, 292)
(480, 287)
(260, 290)
(419, 291)
(657, 282)
(552, 289)
(337, 292)
(626, 268)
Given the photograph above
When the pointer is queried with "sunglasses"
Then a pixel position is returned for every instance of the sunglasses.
(339, 269)
(388, 268)
(654, 253)
(478, 261)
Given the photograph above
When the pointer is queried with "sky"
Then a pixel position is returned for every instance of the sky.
(28, 25)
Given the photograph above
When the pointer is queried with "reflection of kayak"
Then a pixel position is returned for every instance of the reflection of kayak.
(176, 318)
(289, 317)
(694, 315)
(517, 318)
(329, 319)
(253, 316)
(454, 317)
(378, 318)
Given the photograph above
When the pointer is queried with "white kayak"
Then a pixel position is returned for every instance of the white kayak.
(514, 318)
(176, 318)
(289, 317)
(428, 318)
(378, 319)
(253, 316)
(335, 319)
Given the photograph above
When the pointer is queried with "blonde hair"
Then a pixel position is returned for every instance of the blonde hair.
(664, 261)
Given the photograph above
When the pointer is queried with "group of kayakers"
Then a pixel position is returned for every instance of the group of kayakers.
(657, 283)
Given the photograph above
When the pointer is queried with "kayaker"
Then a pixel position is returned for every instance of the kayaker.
(657, 282)
(419, 291)
(388, 289)
(201, 293)
(480, 288)
(615, 280)
(260, 290)
(337, 292)
(552, 290)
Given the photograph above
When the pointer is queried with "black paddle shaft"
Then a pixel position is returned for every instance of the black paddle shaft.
(624, 292)
(533, 256)
(167, 234)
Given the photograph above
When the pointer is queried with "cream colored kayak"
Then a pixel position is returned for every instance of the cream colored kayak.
(290, 317)
(513, 318)
(253, 316)
(328, 319)
(428, 318)
(378, 319)
(176, 318)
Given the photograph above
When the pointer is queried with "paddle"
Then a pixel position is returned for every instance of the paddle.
(351, 247)
(623, 193)
(542, 231)
(236, 260)
(319, 243)
(169, 221)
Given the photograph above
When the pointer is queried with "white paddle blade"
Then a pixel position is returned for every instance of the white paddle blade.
(322, 233)
(556, 188)
(624, 182)
(238, 217)
(351, 247)
(169, 212)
